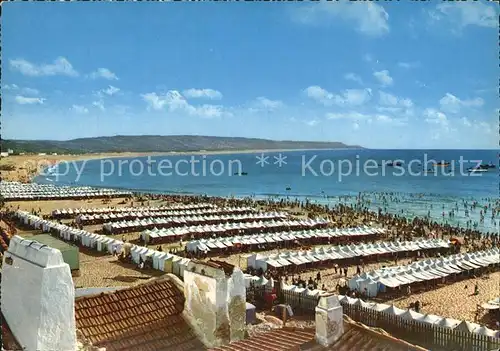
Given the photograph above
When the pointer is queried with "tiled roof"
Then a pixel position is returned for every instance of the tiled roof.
(142, 318)
(356, 337)
(8, 339)
(283, 339)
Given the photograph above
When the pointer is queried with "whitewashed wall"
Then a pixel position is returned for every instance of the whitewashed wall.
(38, 297)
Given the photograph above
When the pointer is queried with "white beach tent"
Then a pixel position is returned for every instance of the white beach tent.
(482, 330)
(364, 304)
(467, 326)
(412, 315)
(393, 310)
(369, 287)
(448, 323)
(183, 264)
(379, 307)
(431, 319)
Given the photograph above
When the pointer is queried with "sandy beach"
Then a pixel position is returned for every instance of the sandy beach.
(451, 300)
(454, 300)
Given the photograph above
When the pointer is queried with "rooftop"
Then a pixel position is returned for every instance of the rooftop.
(51, 241)
(356, 337)
(146, 317)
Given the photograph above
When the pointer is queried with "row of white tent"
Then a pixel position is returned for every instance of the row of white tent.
(185, 220)
(162, 261)
(172, 213)
(110, 210)
(222, 228)
(424, 318)
(205, 245)
(408, 314)
(436, 268)
(341, 252)
(14, 190)
(171, 263)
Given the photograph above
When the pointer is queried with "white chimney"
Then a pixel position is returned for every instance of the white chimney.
(38, 296)
(329, 320)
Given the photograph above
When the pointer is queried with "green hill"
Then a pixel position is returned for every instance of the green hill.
(157, 143)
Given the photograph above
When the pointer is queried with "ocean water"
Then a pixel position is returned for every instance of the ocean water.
(320, 176)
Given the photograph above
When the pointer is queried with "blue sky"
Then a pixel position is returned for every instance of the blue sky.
(391, 75)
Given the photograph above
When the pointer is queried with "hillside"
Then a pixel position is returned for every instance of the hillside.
(157, 143)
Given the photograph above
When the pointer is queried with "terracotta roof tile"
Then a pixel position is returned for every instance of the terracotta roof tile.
(356, 337)
(142, 318)
(284, 339)
(8, 339)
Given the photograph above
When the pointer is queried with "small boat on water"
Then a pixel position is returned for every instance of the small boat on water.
(487, 166)
(242, 173)
(288, 188)
(476, 170)
(392, 164)
(442, 164)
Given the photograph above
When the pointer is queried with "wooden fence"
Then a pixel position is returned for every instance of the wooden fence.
(426, 335)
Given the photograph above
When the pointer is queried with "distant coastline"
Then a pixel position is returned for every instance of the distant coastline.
(161, 144)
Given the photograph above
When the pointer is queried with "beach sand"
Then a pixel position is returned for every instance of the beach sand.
(451, 300)
(96, 270)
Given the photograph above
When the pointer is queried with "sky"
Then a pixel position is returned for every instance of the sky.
(381, 75)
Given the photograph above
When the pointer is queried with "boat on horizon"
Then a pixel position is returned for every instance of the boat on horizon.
(442, 164)
(477, 170)
(392, 164)
(241, 174)
(487, 166)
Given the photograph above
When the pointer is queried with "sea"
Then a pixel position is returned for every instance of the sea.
(413, 186)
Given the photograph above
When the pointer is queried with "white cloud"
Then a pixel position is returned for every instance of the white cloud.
(207, 111)
(202, 94)
(353, 77)
(434, 116)
(387, 99)
(267, 104)
(99, 105)
(356, 116)
(174, 101)
(111, 90)
(10, 87)
(466, 122)
(312, 123)
(355, 126)
(408, 65)
(60, 66)
(79, 109)
(465, 14)
(26, 91)
(383, 77)
(354, 97)
(103, 73)
(452, 104)
(22, 100)
(369, 18)
(384, 118)
(349, 97)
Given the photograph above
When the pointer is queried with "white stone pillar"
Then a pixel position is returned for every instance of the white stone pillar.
(38, 296)
(329, 320)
